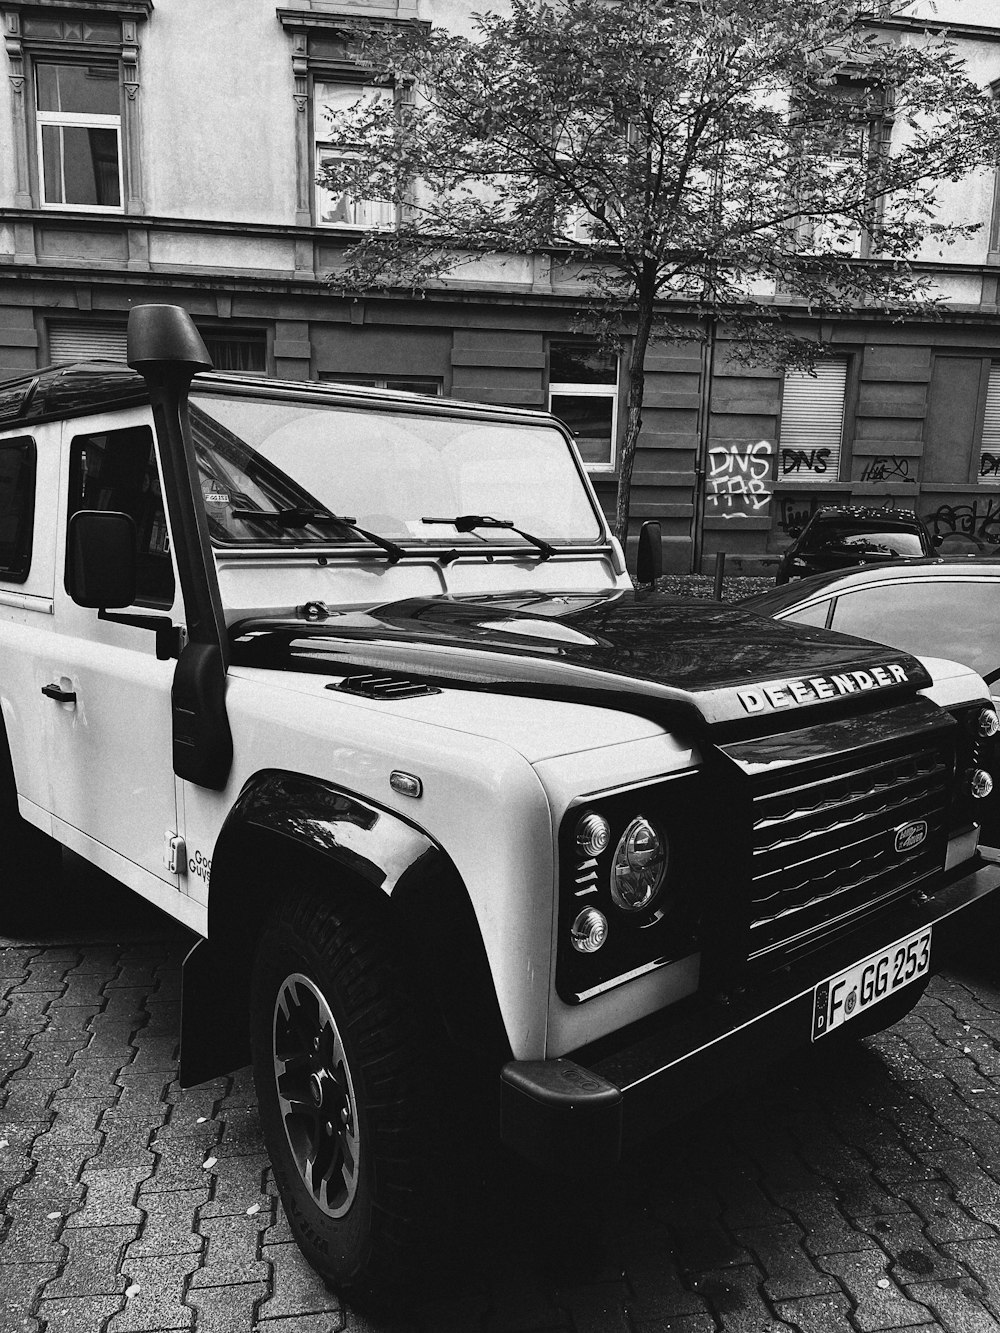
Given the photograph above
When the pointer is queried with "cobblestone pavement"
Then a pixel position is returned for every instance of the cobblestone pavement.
(849, 1191)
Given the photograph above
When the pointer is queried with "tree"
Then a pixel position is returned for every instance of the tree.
(745, 160)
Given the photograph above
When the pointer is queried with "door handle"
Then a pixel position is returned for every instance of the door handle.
(61, 696)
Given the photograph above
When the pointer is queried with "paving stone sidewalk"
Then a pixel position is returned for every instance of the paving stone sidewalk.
(856, 1191)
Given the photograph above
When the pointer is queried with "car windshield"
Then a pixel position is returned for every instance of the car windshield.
(384, 470)
(838, 536)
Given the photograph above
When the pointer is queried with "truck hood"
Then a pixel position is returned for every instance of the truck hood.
(660, 657)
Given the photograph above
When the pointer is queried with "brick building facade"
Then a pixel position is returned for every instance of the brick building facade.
(168, 151)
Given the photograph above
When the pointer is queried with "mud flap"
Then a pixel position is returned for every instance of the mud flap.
(215, 1035)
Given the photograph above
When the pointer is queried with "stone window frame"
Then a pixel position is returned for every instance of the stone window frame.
(324, 49)
(993, 243)
(876, 134)
(24, 48)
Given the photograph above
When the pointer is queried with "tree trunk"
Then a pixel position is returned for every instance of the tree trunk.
(633, 417)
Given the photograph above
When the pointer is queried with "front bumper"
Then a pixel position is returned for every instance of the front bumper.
(561, 1113)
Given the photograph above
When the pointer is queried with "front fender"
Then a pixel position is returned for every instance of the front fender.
(284, 829)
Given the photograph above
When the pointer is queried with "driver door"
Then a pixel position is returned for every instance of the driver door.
(108, 717)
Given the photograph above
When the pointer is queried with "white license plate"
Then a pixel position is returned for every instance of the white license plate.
(853, 992)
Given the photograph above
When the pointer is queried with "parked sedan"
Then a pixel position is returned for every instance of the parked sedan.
(947, 606)
(836, 539)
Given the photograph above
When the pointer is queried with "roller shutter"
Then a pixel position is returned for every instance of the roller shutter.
(989, 453)
(79, 341)
(812, 423)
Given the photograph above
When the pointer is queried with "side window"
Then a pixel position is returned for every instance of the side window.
(814, 614)
(939, 618)
(17, 507)
(116, 469)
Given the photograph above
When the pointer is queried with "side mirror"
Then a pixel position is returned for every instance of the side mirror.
(101, 558)
(649, 560)
(937, 539)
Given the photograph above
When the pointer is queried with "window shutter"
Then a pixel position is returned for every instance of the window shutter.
(86, 342)
(989, 453)
(812, 422)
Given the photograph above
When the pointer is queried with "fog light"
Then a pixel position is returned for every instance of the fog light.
(592, 834)
(987, 723)
(589, 930)
(980, 782)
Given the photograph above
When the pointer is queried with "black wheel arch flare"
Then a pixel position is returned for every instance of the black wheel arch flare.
(288, 829)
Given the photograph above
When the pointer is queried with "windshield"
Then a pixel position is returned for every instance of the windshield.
(383, 470)
(823, 537)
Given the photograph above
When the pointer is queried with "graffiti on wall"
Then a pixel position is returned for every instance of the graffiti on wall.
(887, 467)
(989, 467)
(739, 480)
(976, 524)
(795, 511)
(795, 461)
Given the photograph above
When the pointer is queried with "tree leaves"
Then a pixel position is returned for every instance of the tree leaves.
(743, 159)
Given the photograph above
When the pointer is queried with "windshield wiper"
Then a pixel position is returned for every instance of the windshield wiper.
(469, 522)
(299, 515)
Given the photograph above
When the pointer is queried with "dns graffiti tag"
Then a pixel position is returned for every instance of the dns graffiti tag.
(739, 479)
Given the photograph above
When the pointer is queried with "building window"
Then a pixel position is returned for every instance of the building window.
(989, 445)
(338, 208)
(75, 90)
(17, 507)
(328, 75)
(812, 423)
(849, 125)
(241, 352)
(79, 122)
(583, 392)
(429, 385)
(75, 340)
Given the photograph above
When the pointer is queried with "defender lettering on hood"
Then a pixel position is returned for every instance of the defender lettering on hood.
(794, 693)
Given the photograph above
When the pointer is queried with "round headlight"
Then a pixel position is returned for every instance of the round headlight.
(592, 834)
(987, 723)
(980, 782)
(589, 931)
(639, 867)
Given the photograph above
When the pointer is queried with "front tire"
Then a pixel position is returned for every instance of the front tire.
(344, 1074)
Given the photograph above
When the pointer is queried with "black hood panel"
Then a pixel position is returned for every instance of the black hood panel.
(724, 662)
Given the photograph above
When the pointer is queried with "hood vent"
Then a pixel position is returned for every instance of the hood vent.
(371, 686)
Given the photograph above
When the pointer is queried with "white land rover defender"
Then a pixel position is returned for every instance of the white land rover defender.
(356, 686)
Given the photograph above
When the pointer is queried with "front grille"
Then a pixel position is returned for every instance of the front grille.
(824, 849)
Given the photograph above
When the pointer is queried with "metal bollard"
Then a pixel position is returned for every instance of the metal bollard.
(720, 573)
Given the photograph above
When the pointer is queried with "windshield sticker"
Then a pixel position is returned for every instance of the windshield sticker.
(794, 693)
